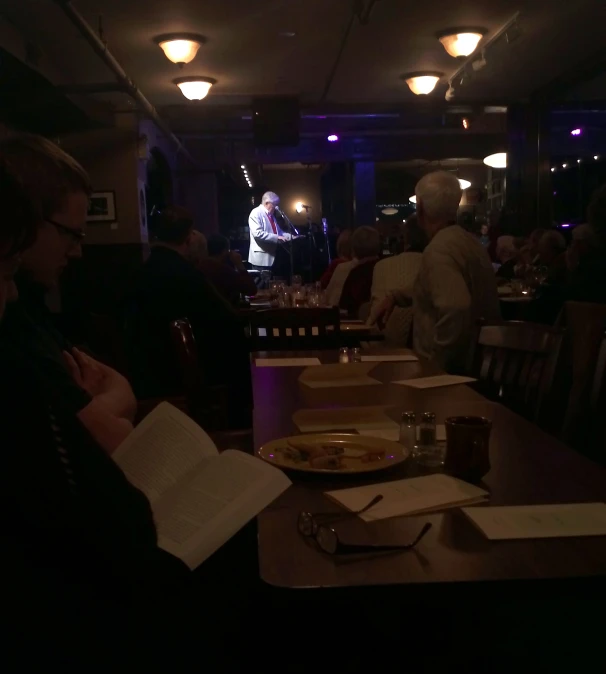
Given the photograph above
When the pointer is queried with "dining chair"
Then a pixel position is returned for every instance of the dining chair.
(583, 374)
(295, 329)
(515, 363)
(207, 404)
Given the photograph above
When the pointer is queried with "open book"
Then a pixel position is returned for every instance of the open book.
(199, 498)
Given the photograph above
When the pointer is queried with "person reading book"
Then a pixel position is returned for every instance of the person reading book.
(86, 579)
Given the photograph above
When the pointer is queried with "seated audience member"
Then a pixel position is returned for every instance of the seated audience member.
(529, 254)
(101, 398)
(399, 271)
(456, 284)
(199, 248)
(366, 247)
(484, 237)
(587, 279)
(552, 254)
(82, 566)
(226, 271)
(507, 256)
(170, 288)
(343, 255)
(340, 274)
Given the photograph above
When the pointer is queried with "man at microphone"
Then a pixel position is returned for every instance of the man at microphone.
(265, 233)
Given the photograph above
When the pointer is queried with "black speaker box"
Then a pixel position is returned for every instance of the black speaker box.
(276, 121)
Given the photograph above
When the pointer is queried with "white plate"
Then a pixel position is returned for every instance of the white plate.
(291, 453)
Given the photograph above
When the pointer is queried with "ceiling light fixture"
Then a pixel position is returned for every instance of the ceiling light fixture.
(180, 48)
(195, 88)
(564, 165)
(413, 199)
(464, 183)
(389, 211)
(423, 82)
(333, 138)
(461, 41)
(466, 123)
(497, 160)
(576, 132)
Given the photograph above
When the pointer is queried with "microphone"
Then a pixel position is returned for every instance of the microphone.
(278, 211)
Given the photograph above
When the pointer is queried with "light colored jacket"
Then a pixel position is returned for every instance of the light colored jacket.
(455, 287)
(263, 241)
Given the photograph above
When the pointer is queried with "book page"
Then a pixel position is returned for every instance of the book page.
(540, 521)
(162, 450)
(217, 502)
(409, 496)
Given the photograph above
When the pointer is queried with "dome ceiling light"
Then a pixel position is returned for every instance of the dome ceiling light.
(389, 211)
(422, 82)
(195, 88)
(497, 160)
(461, 42)
(180, 48)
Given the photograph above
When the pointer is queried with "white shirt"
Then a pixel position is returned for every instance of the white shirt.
(397, 272)
(336, 283)
(455, 287)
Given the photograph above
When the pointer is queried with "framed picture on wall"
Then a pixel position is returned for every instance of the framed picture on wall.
(102, 207)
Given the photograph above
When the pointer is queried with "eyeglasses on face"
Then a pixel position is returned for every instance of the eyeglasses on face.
(74, 235)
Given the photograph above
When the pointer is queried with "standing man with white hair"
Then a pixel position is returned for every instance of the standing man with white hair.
(265, 233)
(456, 284)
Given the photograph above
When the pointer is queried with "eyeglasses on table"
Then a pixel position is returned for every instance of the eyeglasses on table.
(315, 526)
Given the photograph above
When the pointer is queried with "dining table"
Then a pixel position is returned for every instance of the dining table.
(527, 467)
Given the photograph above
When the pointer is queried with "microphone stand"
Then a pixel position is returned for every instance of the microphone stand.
(325, 230)
(292, 228)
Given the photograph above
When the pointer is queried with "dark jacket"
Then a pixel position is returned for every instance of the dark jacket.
(170, 288)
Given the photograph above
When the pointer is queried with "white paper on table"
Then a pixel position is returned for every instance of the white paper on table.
(394, 434)
(435, 381)
(410, 496)
(364, 380)
(403, 358)
(344, 418)
(540, 521)
(286, 362)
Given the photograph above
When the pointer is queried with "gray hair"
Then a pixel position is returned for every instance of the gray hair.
(440, 193)
(365, 242)
(270, 197)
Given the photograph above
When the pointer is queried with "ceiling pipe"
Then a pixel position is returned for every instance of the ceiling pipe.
(129, 86)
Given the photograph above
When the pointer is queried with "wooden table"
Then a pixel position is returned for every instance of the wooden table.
(528, 467)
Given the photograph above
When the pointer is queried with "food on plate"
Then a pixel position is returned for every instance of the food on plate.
(329, 455)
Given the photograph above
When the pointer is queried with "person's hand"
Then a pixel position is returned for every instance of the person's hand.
(384, 311)
(281, 239)
(103, 384)
(85, 372)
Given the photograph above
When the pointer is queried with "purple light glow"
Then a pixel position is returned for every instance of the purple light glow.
(564, 225)
(576, 132)
(333, 138)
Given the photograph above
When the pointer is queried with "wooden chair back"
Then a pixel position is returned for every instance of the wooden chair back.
(583, 376)
(515, 363)
(295, 329)
(207, 404)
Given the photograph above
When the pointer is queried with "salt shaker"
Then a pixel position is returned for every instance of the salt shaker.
(344, 355)
(427, 429)
(356, 356)
(408, 430)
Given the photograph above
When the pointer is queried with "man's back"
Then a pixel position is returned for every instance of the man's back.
(455, 287)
